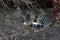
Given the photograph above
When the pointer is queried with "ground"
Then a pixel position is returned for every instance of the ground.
(12, 28)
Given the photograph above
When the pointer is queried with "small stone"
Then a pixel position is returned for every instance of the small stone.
(36, 30)
(24, 34)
